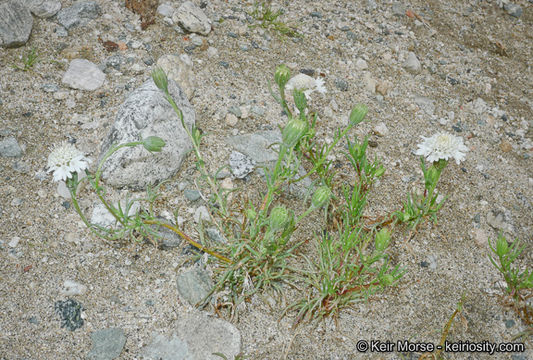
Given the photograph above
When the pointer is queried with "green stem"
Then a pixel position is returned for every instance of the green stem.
(72, 189)
(274, 181)
(323, 158)
(198, 154)
(110, 152)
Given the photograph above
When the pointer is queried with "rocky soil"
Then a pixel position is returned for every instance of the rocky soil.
(420, 66)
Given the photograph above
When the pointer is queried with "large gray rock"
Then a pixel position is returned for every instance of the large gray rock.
(145, 113)
(43, 8)
(16, 23)
(513, 9)
(83, 75)
(192, 18)
(79, 14)
(107, 344)
(194, 285)
(179, 69)
(197, 337)
(9, 147)
(257, 146)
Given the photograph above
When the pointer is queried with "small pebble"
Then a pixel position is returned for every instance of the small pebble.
(201, 214)
(191, 195)
(341, 84)
(14, 242)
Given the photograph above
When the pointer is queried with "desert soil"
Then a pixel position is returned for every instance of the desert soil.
(474, 81)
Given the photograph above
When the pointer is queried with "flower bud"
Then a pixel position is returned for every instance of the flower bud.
(282, 75)
(358, 114)
(293, 132)
(278, 217)
(321, 197)
(299, 100)
(502, 247)
(153, 143)
(160, 79)
(382, 240)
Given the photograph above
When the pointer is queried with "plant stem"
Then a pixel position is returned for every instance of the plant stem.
(72, 190)
(189, 240)
(323, 158)
(98, 173)
(196, 148)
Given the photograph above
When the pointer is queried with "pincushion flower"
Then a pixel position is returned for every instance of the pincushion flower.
(442, 146)
(65, 160)
(306, 84)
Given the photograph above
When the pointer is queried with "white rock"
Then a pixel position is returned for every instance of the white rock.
(381, 129)
(137, 69)
(201, 214)
(231, 119)
(370, 83)
(412, 64)
(212, 52)
(334, 105)
(71, 288)
(83, 75)
(245, 111)
(361, 64)
(165, 9)
(60, 95)
(425, 103)
(179, 69)
(479, 106)
(240, 164)
(62, 190)
(192, 18)
(14, 242)
(102, 217)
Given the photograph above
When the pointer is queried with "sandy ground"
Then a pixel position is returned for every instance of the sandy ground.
(468, 50)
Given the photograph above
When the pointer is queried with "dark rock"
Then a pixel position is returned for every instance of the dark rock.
(16, 23)
(70, 313)
(341, 84)
(79, 14)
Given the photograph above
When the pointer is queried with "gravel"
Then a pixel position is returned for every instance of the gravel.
(483, 47)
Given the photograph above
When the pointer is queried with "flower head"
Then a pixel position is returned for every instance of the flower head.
(65, 160)
(293, 132)
(282, 75)
(442, 146)
(278, 217)
(306, 84)
(321, 196)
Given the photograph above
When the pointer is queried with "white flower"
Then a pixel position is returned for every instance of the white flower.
(442, 146)
(65, 160)
(306, 84)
